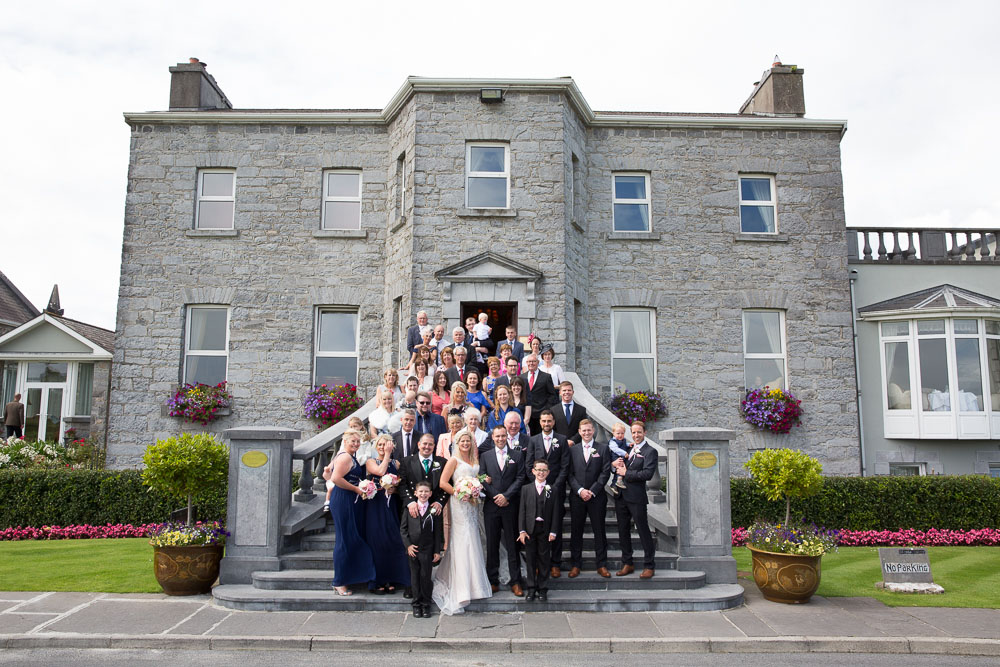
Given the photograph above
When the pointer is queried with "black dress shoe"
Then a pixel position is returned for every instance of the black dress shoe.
(543, 595)
(530, 597)
(427, 611)
(417, 612)
(407, 593)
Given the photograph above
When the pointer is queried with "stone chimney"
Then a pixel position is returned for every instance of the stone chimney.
(192, 88)
(778, 93)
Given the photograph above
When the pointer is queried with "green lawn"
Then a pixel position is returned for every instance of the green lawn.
(970, 576)
(103, 566)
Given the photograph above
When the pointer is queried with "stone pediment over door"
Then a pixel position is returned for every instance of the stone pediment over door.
(489, 277)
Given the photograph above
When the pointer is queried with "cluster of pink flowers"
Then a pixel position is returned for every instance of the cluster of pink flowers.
(983, 537)
(83, 532)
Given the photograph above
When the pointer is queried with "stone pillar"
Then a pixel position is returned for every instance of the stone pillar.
(260, 479)
(699, 476)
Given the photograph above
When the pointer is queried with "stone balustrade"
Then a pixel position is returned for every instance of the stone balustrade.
(921, 246)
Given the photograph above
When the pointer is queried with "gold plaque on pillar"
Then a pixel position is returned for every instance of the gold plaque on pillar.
(703, 459)
(254, 459)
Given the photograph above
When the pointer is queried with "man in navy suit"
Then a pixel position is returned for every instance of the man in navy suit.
(636, 470)
(515, 439)
(504, 468)
(553, 448)
(538, 390)
(413, 337)
(457, 372)
(590, 467)
(427, 421)
(568, 414)
(516, 346)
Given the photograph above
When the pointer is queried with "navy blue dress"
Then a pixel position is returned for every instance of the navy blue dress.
(352, 557)
(383, 536)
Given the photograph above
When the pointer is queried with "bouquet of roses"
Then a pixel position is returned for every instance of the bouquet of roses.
(368, 489)
(389, 481)
(468, 490)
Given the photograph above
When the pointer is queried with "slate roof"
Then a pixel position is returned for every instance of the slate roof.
(942, 296)
(14, 306)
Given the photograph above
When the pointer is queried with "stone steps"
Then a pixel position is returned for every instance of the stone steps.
(710, 597)
(319, 580)
(321, 560)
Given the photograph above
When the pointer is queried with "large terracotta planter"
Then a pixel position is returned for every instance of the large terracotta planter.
(186, 570)
(787, 578)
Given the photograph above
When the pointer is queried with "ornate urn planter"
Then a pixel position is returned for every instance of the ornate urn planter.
(787, 578)
(189, 570)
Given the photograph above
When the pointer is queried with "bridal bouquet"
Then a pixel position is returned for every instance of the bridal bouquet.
(468, 489)
(389, 481)
(368, 489)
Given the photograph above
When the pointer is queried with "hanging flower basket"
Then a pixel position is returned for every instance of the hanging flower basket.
(645, 406)
(771, 410)
(200, 403)
(331, 404)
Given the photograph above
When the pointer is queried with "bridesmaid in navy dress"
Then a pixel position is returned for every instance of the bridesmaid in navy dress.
(352, 557)
(382, 523)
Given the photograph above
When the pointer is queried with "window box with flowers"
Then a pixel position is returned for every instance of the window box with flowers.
(200, 403)
(771, 409)
(331, 404)
(645, 406)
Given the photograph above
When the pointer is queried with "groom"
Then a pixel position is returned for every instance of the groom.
(504, 467)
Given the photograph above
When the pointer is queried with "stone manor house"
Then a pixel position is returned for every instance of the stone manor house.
(692, 253)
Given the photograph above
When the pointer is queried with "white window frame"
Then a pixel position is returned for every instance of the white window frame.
(783, 355)
(487, 174)
(648, 201)
(343, 354)
(993, 470)
(772, 202)
(916, 422)
(635, 355)
(204, 353)
(200, 197)
(335, 198)
(920, 467)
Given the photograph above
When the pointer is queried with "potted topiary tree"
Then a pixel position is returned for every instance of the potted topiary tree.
(786, 558)
(186, 556)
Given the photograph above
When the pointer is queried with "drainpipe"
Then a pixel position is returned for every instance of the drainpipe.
(857, 370)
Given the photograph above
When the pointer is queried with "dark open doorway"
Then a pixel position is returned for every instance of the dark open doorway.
(501, 314)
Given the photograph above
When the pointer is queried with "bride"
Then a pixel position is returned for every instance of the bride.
(461, 576)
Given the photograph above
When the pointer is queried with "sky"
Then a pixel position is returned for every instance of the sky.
(916, 82)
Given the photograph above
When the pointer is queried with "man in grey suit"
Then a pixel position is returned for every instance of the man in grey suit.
(516, 346)
(13, 417)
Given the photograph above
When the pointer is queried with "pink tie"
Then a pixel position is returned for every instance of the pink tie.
(531, 381)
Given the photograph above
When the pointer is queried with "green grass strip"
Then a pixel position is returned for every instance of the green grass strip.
(99, 566)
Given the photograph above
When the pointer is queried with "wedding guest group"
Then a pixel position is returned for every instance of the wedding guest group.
(453, 493)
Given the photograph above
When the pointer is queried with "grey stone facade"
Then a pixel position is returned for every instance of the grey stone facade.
(693, 267)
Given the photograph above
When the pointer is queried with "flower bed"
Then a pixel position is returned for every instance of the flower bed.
(81, 532)
(18, 453)
(985, 537)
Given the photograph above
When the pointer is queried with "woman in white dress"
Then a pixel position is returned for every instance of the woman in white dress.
(546, 365)
(385, 418)
(461, 576)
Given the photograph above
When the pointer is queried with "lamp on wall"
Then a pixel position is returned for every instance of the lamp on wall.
(491, 95)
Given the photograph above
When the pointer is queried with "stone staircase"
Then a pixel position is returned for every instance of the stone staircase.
(304, 584)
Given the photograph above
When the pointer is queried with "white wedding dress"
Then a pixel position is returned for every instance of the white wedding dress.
(461, 576)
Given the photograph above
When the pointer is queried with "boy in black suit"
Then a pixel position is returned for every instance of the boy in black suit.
(536, 523)
(423, 537)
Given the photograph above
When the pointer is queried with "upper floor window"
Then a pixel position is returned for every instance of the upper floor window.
(764, 356)
(633, 349)
(630, 202)
(336, 353)
(216, 199)
(941, 378)
(758, 205)
(206, 344)
(487, 175)
(341, 199)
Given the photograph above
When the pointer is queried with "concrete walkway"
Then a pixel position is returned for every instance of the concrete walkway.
(848, 625)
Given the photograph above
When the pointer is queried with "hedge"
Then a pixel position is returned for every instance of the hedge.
(39, 497)
(881, 503)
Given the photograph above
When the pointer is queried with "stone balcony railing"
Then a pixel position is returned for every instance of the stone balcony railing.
(885, 245)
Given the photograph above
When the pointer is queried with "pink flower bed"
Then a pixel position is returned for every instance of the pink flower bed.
(84, 532)
(984, 537)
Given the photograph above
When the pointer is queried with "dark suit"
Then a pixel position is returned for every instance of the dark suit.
(558, 460)
(484, 342)
(427, 533)
(568, 428)
(631, 505)
(501, 522)
(432, 423)
(411, 471)
(591, 475)
(538, 515)
(502, 380)
(517, 349)
(541, 396)
(400, 439)
(413, 338)
(452, 374)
